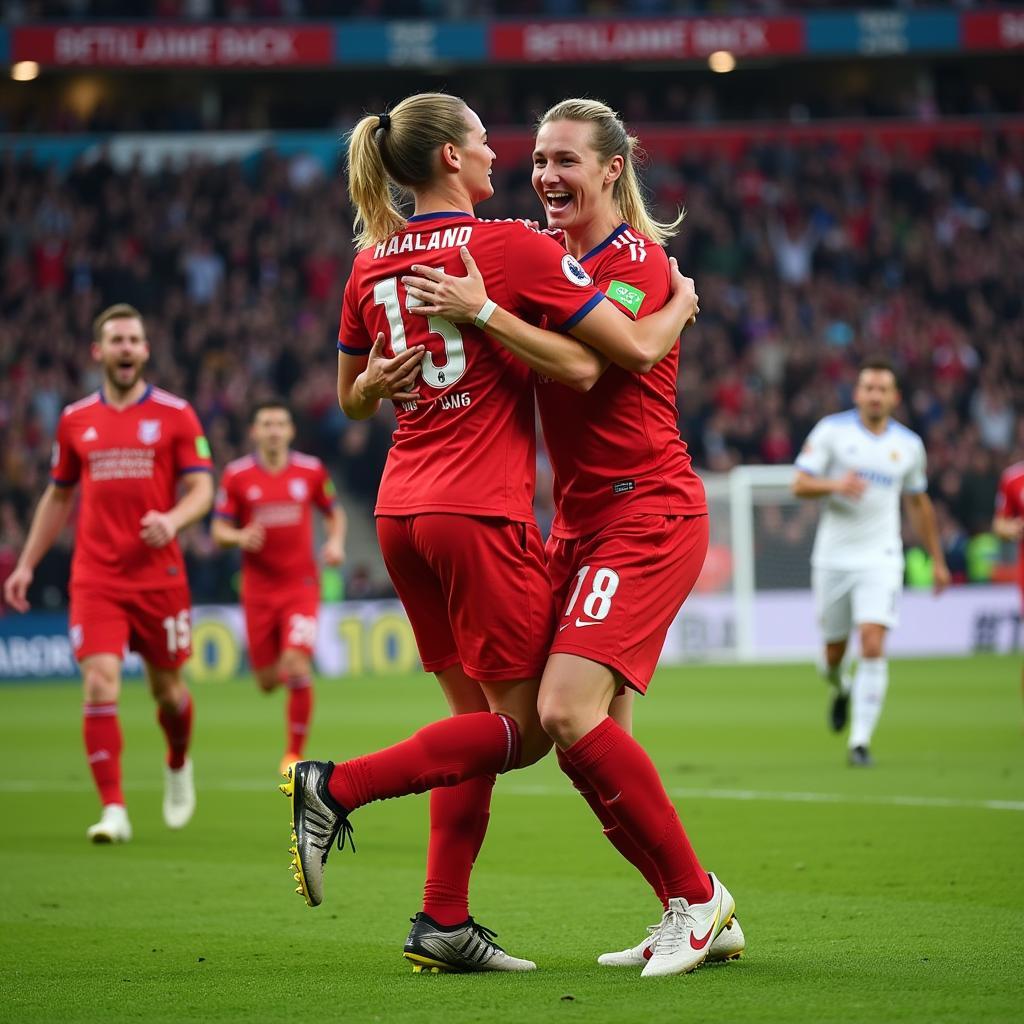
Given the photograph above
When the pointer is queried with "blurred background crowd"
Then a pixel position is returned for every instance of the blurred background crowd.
(807, 259)
(810, 251)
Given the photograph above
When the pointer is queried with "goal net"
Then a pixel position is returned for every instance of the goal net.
(761, 538)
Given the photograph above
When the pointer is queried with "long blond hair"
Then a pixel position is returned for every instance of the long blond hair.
(392, 152)
(609, 138)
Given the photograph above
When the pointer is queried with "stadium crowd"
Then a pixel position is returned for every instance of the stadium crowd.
(237, 10)
(806, 260)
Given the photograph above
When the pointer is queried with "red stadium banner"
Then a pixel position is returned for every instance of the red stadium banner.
(644, 39)
(174, 45)
(992, 30)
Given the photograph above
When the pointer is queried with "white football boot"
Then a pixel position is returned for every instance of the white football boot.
(113, 826)
(179, 795)
(687, 931)
(729, 945)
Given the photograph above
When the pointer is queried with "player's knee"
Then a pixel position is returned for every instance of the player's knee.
(294, 663)
(268, 679)
(560, 721)
(99, 685)
(535, 744)
(872, 642)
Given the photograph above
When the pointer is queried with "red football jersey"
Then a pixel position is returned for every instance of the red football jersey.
(283, 503)
(128, 462)
(616, 449)
(468, 444)
(1010, 505)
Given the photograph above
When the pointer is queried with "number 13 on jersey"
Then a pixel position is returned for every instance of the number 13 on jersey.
(385, 293)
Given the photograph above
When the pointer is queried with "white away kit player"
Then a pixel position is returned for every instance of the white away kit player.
(861, 463)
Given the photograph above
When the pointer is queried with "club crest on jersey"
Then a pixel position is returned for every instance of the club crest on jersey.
(297, 489)
(149, 431)
(574, 272)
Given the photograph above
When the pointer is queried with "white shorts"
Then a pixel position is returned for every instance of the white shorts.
(845, 598)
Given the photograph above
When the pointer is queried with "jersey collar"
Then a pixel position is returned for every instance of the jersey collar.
(604, 245)
(418, 218)
(145, 395)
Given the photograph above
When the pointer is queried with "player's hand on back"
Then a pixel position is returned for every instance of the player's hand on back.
(457, 299)
(16, 588)
(681, 283)
(392, 378)
(252, 537)
(332, 553)
(157, 529)
(850, 486)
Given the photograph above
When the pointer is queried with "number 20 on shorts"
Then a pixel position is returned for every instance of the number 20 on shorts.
(598, 601)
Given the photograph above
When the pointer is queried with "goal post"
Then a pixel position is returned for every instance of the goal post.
(757, 571)
(752, 491)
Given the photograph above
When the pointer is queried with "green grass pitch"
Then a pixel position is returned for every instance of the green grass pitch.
(892, 894)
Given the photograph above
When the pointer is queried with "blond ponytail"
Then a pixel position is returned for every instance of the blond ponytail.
(608, 139)
(392, 153)
(369, 188)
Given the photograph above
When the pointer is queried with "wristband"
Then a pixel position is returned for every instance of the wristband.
(486, 310)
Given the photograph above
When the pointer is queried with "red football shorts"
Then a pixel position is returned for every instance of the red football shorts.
(156, 624)
(278, 621)
(620, 589)
(476, 591)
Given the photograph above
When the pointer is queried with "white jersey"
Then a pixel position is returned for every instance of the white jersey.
(863, 533)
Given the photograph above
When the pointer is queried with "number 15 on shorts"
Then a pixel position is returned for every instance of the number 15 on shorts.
(597, 603)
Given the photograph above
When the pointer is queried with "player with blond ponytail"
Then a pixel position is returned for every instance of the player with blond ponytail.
(455, 506)
(631, 527)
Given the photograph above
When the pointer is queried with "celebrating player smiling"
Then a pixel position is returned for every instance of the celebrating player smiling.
(131, 447)
(454, 513)
(630, 531)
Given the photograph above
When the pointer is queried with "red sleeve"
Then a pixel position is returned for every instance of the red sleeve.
(324, 494)
(353, 338)
(191, 449)
(542, 277)
(638, 284)
(65, 466)
(1007, 503)
(227, 505)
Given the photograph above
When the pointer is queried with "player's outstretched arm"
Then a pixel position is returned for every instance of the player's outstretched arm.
(806, 485)
(158, 529)
(922, 519)
(639, 345)
(249, 538)
(460, 299)
(364, 380)
(49, 519)
(1009, 528)
(333, 550)
(635, 345)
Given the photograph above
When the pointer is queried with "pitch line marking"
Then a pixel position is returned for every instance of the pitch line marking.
(795, 797)
(741, 795)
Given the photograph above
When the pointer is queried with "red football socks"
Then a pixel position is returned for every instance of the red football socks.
(443, 753)
(102, 733)
(458, 823)
(299, 712)
(177, 727)
(614, 832)
(619, 770)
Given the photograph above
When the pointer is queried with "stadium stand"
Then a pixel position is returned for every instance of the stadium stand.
(808, 257)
